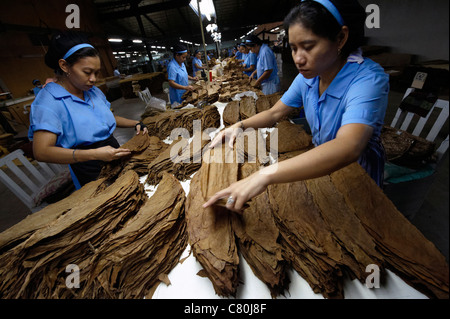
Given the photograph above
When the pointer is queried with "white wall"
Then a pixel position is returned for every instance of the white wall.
(419, 27)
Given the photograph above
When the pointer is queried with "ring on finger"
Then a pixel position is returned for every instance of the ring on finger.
(230, 200)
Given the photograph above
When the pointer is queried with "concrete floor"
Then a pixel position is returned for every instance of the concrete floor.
(432, 219)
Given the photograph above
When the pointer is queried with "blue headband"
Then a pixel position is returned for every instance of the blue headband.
(76, 48)
(332, 9)
(180, 52)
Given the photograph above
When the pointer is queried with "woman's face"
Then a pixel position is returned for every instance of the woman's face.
(180, 58)
(313, 55)
(255, 48)
(84, 73)
(198, 55)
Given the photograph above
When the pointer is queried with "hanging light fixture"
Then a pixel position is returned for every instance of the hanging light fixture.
(206, 7)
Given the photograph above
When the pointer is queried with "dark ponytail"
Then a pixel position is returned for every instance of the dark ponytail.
(179, 47)
(312, 15)
(63, 42)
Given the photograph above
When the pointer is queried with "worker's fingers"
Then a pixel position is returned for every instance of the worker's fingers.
(121, 152)
(139, 129)
(239, 204)
(232, 138)
(221, 194)
(217, 140)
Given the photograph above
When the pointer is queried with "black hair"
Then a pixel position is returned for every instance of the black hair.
(254, 39)
(177, 48)
(312, 15)
(61, 43)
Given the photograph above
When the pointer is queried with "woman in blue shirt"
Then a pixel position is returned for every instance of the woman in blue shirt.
(266, 66)
(177, 75)
(70, 120)
(250, 60)
(197, 64)
(344, 96)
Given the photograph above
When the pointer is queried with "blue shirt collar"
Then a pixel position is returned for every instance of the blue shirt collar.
(340, 83)
(59, 92)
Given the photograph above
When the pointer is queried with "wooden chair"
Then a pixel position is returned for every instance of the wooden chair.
(31, 186)
(409, 192)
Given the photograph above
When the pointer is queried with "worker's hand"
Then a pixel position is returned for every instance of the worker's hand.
(237, 194)
(108, 153)
(229, 135)
(140, 127)
(190, 88)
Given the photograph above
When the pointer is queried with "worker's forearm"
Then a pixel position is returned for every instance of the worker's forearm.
(177, 86)
(59, 155)
(123, 122)
(250, 69)
(260, 120)
(264, 76)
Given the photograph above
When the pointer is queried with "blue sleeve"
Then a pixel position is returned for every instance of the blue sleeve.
(366, 100)
(252, 59)
(44, 118)
(265, 62)
(293, 96)
(171, 73)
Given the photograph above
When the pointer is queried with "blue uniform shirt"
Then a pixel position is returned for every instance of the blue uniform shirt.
(243, 57)
(74, 121)
(194, 68)
(266, 60)
(178, 74)
(250, 60)
(358, 94)
(36, 90)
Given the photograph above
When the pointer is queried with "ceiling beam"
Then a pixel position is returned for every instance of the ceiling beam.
(154, 24)
(134, 11)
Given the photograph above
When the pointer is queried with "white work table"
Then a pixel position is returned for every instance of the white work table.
(186, 284)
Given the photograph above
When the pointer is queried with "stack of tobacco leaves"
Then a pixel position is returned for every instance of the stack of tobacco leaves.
(140, 160)
(291, 137)
(25, 228)
(247, 107)
(210, 118)
(163, 124)
(144, 149)
(405, 149)
(236, 111)
(231, 113)
(329, 229)
(404, 248)
(335, 226)
(257, 235)
(223, 89)
(36, 268)
(209, 230)
(181, 158)
(134, 260)
(214, 231)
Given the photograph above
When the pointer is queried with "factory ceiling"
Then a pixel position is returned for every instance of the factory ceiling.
(164, 22)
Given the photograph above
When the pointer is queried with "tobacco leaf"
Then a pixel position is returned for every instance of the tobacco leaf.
(209, 230)
(36, 267)
(141, 254)
(405, 250)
